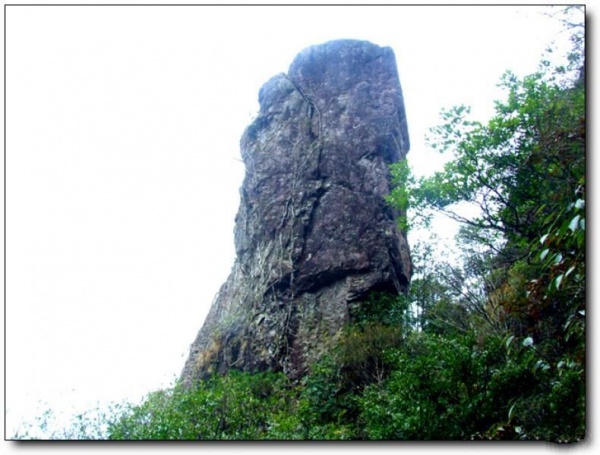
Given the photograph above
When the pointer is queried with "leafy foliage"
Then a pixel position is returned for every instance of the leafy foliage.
(235, 406)
(524, 253)
(439, 390)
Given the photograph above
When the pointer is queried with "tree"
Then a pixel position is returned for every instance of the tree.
(524, 170)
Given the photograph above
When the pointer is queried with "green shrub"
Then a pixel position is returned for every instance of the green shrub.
(235, 406)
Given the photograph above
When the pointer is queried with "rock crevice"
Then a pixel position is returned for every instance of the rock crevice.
(313, 232)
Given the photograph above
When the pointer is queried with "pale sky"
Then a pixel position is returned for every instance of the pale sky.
(123, 166)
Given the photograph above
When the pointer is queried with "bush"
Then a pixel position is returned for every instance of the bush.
(235, 406)
(436, 391)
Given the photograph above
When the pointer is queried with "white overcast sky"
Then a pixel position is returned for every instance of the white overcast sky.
(123, 165)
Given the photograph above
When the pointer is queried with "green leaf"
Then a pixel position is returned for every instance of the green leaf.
(511, 411)
(510, 340)
(558, 280)
(574, 223)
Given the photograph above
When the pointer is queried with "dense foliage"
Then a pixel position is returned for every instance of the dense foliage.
(522, 277)
(491, 346)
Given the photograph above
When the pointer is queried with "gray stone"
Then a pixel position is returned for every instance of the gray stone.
(313, 232)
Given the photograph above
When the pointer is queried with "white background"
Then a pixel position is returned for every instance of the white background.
(123, 166)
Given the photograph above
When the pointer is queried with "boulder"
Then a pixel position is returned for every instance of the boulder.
(314, 233)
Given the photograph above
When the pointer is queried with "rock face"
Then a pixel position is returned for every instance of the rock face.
(313, 233)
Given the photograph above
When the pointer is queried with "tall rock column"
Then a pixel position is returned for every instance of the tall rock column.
(313, 233)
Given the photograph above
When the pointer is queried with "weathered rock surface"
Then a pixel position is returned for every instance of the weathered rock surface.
(313, 232)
